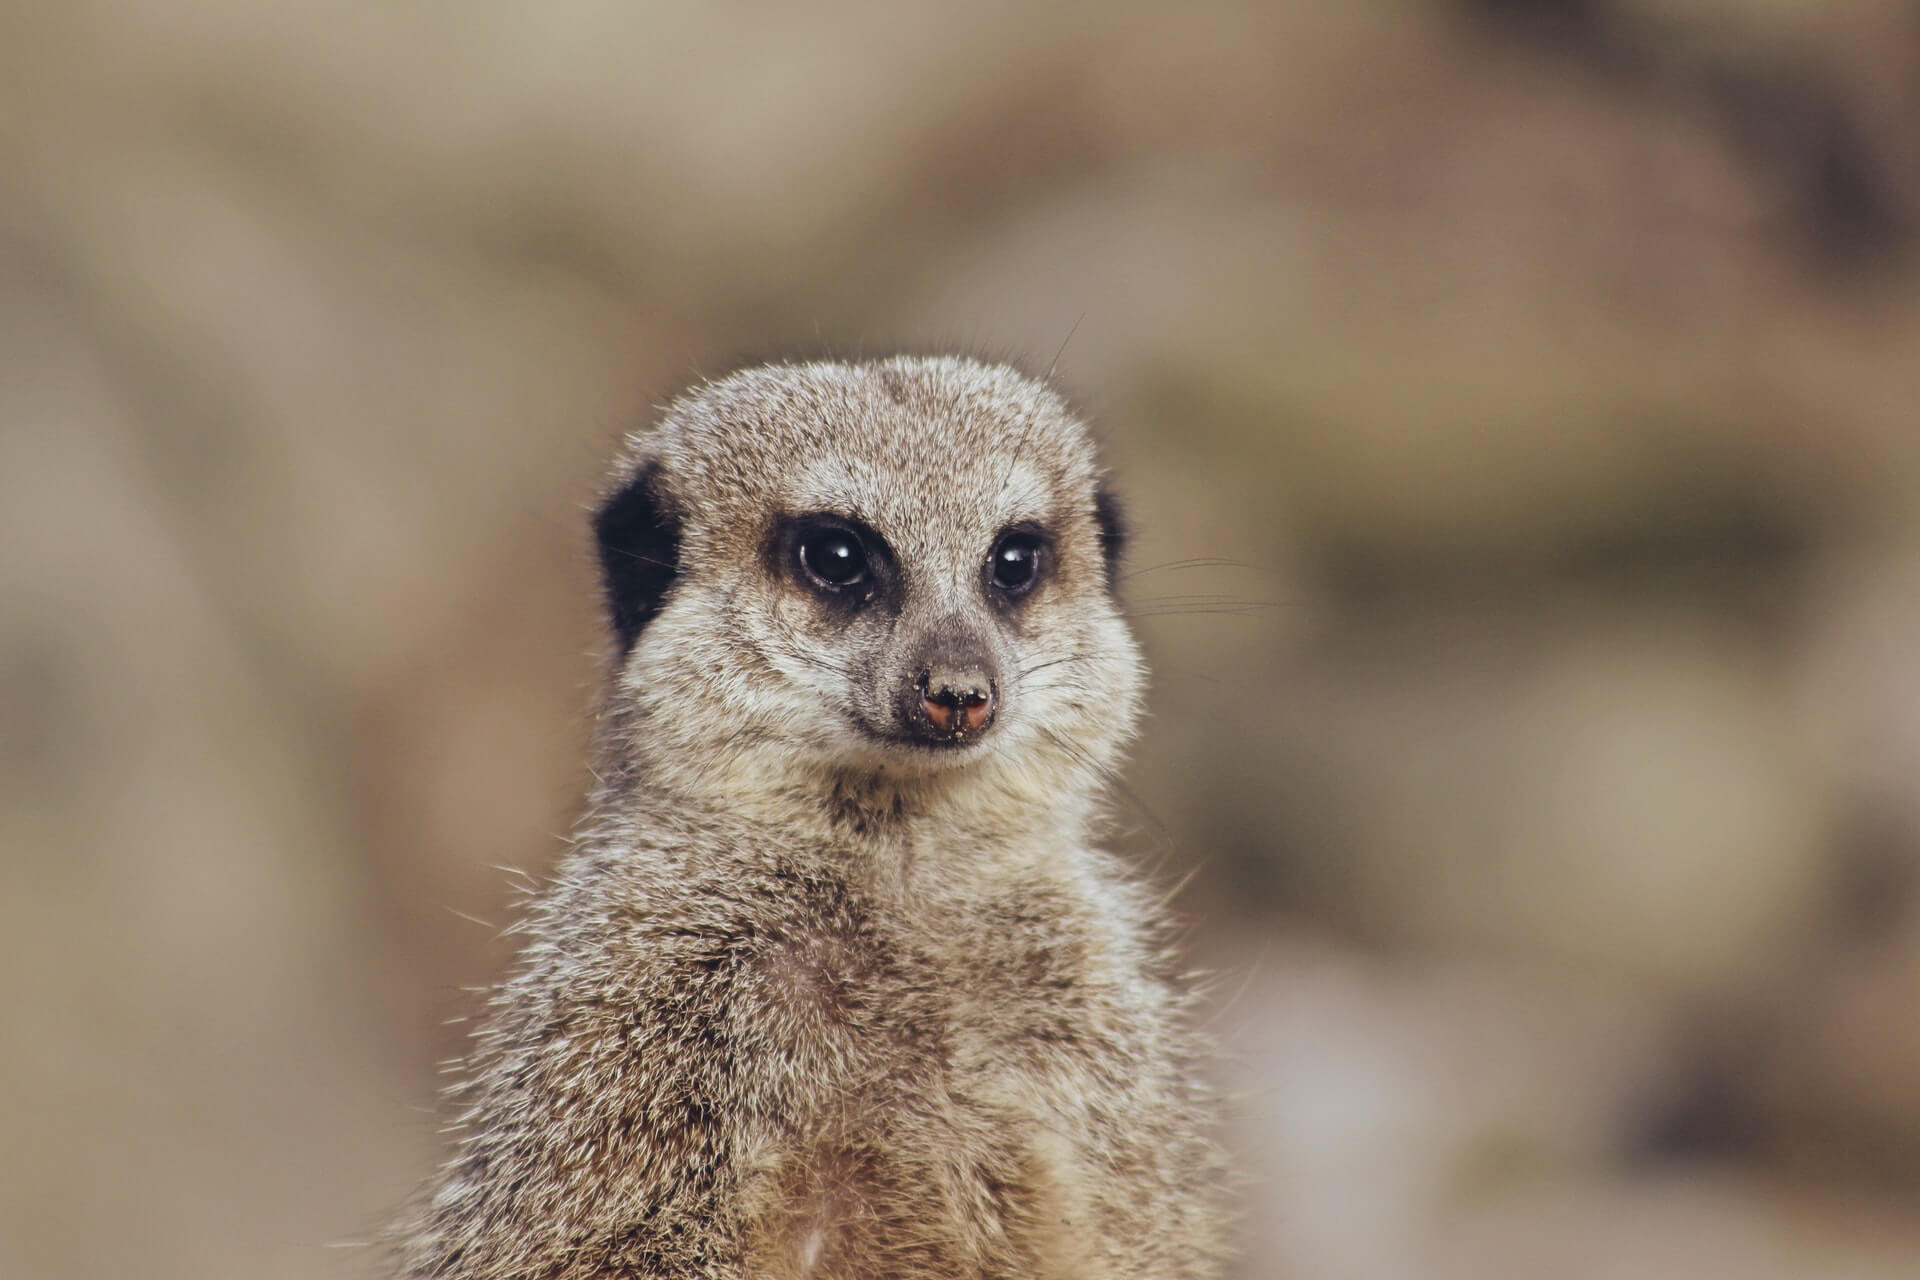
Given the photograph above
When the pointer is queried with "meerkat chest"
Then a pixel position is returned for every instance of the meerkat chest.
(857, 994)
(845, 1008)
(931, 1076)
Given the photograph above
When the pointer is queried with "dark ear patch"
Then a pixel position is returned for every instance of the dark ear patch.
(1113, 531)
(639, 544)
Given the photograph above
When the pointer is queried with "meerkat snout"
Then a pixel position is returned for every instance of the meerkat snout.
(951, 690)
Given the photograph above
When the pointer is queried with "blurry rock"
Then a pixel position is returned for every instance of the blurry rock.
(1623, 794)
(1692, 1226)
(1837, 1088)
(1464, 1119)
(1837, 1081)
(195, 1017)
(1376, 1101)
(1859, 684)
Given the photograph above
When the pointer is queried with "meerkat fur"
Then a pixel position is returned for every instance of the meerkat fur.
(833, 984)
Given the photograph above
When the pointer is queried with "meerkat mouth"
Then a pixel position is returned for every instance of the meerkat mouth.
(955, 744)
(890, 742)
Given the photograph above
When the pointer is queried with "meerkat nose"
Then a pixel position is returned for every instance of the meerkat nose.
(956, 707)
(952, 711)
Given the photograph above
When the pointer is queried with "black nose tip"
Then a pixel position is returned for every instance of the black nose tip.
(954, 704)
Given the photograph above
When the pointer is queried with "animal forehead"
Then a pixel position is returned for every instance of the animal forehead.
(926, 516)
(903, 437)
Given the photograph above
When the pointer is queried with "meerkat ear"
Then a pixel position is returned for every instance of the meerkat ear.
(1113, 531)
(638, 537)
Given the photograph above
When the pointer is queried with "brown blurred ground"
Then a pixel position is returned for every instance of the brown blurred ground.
(1547, 746)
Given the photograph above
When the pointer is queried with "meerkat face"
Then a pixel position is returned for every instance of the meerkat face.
(901, 566)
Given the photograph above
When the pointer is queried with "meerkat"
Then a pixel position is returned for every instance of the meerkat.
(834, 983)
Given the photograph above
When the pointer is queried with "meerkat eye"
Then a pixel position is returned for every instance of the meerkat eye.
(1015, 563)
(834, 558)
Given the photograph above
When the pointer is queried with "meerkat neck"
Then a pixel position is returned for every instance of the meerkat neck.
(989, 812)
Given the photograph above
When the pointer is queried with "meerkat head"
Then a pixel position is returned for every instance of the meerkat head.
(900, 569)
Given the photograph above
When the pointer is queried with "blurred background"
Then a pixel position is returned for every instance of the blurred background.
(1518, 405)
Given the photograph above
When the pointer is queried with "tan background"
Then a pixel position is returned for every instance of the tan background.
(1546, 756)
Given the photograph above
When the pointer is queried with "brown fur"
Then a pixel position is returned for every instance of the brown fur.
(809, 999)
